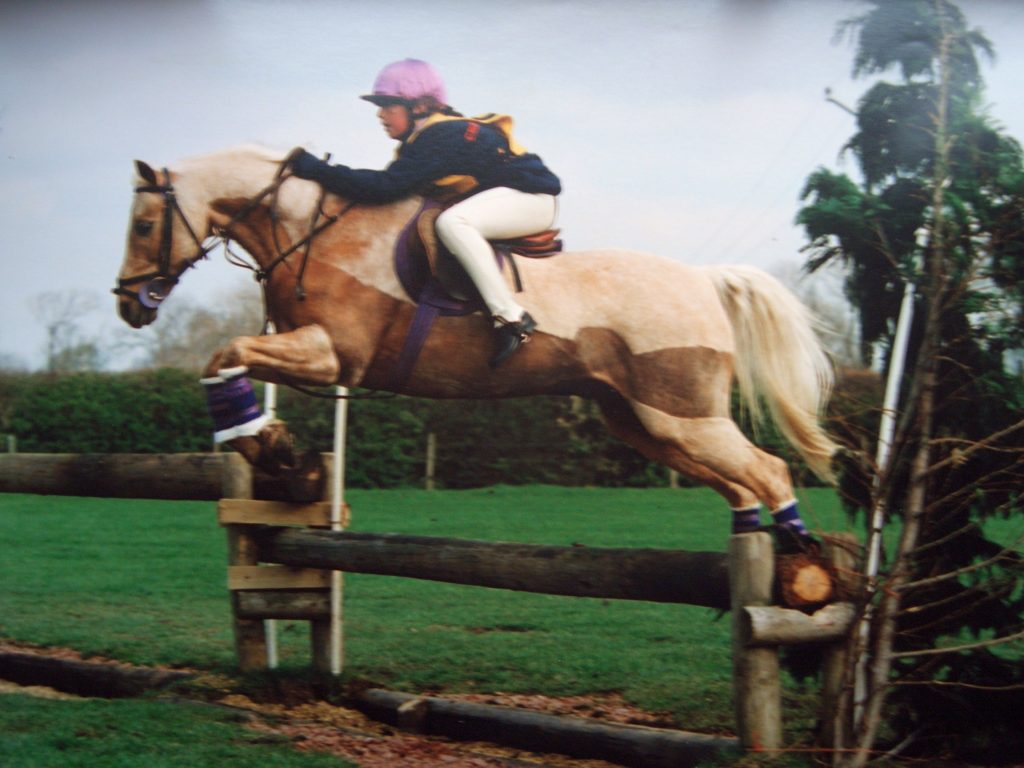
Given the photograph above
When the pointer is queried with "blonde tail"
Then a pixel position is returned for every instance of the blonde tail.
(779, 359)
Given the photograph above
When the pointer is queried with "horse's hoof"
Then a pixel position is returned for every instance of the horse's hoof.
(788, 541)
(307, 481)
(277, 449)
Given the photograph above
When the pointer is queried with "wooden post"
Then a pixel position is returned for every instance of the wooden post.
(841, 550)
(431, 460)
(250, 636)
(757, 697)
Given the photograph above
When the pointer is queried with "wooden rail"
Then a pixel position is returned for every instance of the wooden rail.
(658, 575)
(181, 476)
(189, 476)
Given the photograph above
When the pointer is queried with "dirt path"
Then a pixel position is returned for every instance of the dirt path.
(347, 733)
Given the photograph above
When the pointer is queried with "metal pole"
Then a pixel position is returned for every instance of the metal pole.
(886, 430)
(337, 524)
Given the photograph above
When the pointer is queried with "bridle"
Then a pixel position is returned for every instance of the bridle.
(155, 286)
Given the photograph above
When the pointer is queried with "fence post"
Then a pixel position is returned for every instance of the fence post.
(250, 635)
(840, 549)
(757, 697)
(431, 460)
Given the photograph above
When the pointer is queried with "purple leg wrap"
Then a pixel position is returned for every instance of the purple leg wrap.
(232, 406)
(746, 520)
(789, 515)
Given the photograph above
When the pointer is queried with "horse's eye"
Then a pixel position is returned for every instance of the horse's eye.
(143, 227)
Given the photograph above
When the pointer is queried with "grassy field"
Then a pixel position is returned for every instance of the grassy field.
(97, 733)
(144, 582)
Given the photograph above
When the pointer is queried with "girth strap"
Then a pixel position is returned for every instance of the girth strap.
(416, 254)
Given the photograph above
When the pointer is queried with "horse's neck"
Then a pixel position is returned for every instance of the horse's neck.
(237, 189)
(360, 241)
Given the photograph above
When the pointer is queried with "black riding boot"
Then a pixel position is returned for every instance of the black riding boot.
(508, 337)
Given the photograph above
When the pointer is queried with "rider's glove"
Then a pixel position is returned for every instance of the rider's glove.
(304, 165)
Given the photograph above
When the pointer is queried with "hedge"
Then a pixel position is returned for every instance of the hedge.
(555, 440)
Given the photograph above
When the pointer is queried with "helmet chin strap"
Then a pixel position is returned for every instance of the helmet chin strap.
(410, 108)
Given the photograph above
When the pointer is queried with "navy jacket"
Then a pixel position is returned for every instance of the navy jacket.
(449, 148)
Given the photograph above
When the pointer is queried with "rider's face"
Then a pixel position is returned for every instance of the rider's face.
(395, 120)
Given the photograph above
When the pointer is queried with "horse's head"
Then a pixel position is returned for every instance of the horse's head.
(162, 244)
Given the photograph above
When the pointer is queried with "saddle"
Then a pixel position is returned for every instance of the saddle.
(447, 270)
(434, 279)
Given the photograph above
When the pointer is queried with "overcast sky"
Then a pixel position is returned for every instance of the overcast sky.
(681, 127)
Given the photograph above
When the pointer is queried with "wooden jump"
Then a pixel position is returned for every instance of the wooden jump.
(280, 555)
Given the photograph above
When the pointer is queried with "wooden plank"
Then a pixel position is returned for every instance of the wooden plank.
(769, 625)
(290, 604)
(276, 577)
(252, 512)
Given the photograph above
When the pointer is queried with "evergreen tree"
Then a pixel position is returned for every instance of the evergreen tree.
(939, 203)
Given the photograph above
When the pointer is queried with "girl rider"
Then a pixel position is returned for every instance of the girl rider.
(443, 155)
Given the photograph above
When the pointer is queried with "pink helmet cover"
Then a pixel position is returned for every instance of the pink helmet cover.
(407, 80)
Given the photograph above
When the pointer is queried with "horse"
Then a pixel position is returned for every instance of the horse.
(658, 344)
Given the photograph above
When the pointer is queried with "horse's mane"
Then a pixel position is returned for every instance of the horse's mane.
(240, 171)
(245, 163)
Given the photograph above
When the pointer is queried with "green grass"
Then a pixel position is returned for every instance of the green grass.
(97, 733)
(144, 581)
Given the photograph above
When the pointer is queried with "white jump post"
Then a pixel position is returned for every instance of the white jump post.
(337, 524)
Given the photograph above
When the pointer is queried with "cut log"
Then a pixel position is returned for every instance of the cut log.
(769, 625)
(84, 678)
(579, 737)
(804, 581)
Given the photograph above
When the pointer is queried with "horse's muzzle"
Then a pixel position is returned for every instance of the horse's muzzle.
(133, 313)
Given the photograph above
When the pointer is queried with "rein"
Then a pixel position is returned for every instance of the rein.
(156, 286)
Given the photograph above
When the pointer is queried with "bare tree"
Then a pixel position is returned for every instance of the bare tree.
(187, 333)
(68, 348)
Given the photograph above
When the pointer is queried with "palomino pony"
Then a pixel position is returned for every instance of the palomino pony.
(656, 343)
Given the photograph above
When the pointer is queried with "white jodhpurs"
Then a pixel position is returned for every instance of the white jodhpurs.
(494, 214)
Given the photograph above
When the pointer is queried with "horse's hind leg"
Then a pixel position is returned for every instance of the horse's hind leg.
(624, 424)
(711, 450)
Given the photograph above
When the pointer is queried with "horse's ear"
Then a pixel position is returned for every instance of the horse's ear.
(146, 173)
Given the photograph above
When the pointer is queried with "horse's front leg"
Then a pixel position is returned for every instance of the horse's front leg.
(304, 356)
